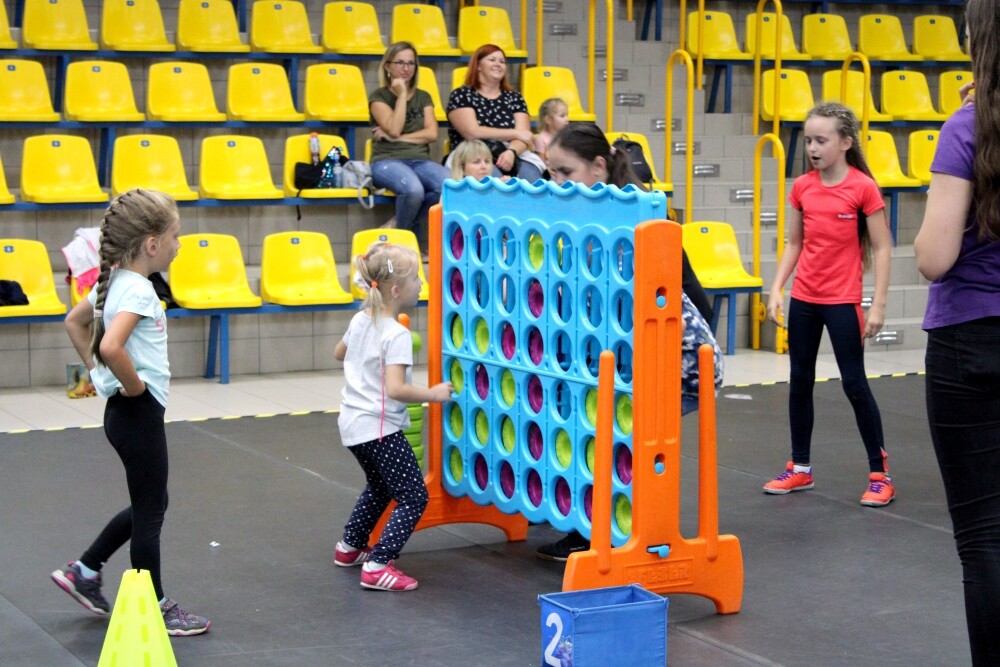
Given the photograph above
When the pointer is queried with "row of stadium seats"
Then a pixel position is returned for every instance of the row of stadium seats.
(825, 37)
(101, 91)
(275, 27)
(905, 95)
(60, 169)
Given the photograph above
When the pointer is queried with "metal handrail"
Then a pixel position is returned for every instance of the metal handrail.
(610, 59)
(688, 125)
(775, 121)
(866, 96)
(758, 312)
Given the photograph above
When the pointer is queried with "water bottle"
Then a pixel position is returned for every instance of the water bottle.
(338, 170)
(314, 147)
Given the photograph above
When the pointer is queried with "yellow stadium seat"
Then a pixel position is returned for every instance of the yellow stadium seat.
(56, 24)
(281, 27)
(715, 256)
(906, 96)
(98, 91)
(427, 81)
(922, 145)
(458, 76)
(720, 37)
(647, 152)
(181, 92)
(335, 92)
(949, 84)
(297, 150)
(352, 27)
(883, 160)
(424, 27)
(260, 92)
(24, 92)
(935, 38)
(540, 83)
(855, 94)
(27, 262)
(880, 37)
(298, 269)
(825, 36)
(208, 25)
(209, 272)
(363, 239)
(6, 41)
(789, 49)
(486, 25)
(150, 161)
(59, 169)
(133, 25)
(235, 167)
(796, 95)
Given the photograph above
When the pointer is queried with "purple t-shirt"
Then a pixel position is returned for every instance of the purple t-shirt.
(970, 290)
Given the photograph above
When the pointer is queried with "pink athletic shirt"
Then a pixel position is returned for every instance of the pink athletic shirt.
(829, 268)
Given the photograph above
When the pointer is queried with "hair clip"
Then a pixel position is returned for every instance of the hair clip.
(613, 150)
(388, 263)
(362, 283)
(98, 312)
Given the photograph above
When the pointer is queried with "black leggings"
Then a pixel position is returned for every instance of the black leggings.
(134, 426)
(845, 324)
(963, 409)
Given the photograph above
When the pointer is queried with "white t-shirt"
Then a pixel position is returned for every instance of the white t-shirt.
(146, 345)
(362, 409)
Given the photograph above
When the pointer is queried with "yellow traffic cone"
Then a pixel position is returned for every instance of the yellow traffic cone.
(137, 635)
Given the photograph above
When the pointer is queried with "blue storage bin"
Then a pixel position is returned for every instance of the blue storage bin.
(621, 625)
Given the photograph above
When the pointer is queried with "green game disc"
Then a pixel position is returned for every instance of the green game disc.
(623, 414)
(482, 336)
(482, 427)
(536, 251)
(455, 462)
(508, 388)
(507, 434)
(623, 514)
(457, 421)
(591, 448)
(590, 406)
(457, 332)
(564, 448)
(457, 376)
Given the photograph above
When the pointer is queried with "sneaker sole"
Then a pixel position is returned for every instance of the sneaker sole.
(357, 562)
(189, 633)
(877, 503)
(555, 559)
(781, 492)
(67, 585)
(376, 587)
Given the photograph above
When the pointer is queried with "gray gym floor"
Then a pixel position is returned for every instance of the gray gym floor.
(827, 582)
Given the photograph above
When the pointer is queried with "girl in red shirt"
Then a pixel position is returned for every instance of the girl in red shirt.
(836, 229)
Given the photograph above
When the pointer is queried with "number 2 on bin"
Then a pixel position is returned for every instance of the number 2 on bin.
(551, 659)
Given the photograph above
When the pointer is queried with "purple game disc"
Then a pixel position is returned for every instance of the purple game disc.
(536, 298)
(457, 286)
(457, 243)
(535, 393)
(535, 441)
(564, 499)
(535, 346)
(534, 488)
(506, 479)
(623, 465)
(482, 381)
(482, 472)
(588, 501)
(508, 340)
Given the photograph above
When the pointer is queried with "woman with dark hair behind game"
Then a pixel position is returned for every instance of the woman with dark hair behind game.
(581, 153)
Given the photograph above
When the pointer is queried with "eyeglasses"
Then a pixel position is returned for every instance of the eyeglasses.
(403, 63)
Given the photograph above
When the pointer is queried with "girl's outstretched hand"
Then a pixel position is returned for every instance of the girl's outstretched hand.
(441, 393)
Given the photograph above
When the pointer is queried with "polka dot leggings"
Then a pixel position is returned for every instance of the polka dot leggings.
(392, 473)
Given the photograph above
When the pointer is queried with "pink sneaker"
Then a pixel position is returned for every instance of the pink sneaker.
(345, 555)
(387, 579)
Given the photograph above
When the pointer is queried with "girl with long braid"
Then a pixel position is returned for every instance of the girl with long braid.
(377, 352)
(120, 333)
(836, 230)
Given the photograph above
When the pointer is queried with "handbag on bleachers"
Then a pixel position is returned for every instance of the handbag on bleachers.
(358, 174)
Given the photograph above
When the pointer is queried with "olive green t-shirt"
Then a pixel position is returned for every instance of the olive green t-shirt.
(397, 150)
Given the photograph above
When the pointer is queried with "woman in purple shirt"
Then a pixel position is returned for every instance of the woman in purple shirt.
(958, 248)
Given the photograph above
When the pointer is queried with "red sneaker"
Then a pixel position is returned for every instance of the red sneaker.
(387, 579)
(345, 555)
(789, 481)
(880, 491)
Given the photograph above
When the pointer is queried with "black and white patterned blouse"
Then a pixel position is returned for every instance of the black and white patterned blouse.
(496, 113)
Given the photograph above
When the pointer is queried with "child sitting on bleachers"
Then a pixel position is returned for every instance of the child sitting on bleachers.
(472, 158)
(553, 115)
